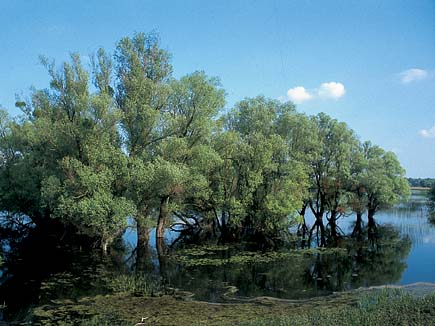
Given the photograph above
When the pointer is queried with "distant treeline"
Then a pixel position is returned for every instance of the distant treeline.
(124, 138)
(421, 182)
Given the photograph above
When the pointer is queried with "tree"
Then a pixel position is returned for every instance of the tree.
(145, 145)
(194, 103)
(301, 137)
(143, 72)
(358, 198)
(69, 166)
(259, 185)
(432, 199)
(330, 173)
(384, 179)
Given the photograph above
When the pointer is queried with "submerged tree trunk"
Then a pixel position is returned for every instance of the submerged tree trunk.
(356, 233)
(333, 225)
(371, 224)
(320, 228)
(143, 231)
(143, 259)
(162, 256)
(303, 229)
(371, 213)
(224, 236)
(322, 232)
(333, 228)
(318, 211)
(163, 217)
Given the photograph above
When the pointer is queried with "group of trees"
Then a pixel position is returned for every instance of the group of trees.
(432, 204)
(421, 182)
(125, 138)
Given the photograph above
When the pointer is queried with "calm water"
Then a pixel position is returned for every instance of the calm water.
(403, 253)
(401, 250)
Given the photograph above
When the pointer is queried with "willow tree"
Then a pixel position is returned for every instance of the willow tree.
(432, 198)
(70, 160)
(143, 72)
(383, 179)
(330, 172)
(357, 191)
(84, 187)
(260, 184)
(22, 171)
(13, 200)
(431, 204)
(193, 105)
(300, 134)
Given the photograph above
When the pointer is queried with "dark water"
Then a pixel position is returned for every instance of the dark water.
(399, 250)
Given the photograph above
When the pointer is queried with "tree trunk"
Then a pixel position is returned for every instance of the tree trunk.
(320, 226)
(104, 246)
(303, 233)
(371, 224)
(322, 232)
(143, 231)
(303, 229)
(224, 230)
(162, 256)
(143, 260)
(371, 213)
(333, 228)
(356, 233)
(163, 217)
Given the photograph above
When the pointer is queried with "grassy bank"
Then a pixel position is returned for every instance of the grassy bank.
(377, 307)
(383, 308)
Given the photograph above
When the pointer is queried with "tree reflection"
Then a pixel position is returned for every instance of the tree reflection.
(374, 256)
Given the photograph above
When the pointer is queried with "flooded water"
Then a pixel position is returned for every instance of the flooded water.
(400, 249)
(403, 252)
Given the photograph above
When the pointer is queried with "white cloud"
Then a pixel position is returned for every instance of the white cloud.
(331, 90)
(298, 94)
(427, 133)
(412, 75)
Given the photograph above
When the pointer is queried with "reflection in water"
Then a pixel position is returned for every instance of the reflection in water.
(365, 262)
(371, 254)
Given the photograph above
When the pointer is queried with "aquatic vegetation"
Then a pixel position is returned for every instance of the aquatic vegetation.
(203, 256)
(137, 284)
(374, 307)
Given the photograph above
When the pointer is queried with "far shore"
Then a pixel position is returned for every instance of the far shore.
(420, 188)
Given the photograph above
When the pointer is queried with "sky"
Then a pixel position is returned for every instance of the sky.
(368, 63)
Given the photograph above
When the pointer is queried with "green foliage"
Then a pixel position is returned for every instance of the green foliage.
(332, 165)
(382, 178)
(259, 186)
(142, 144)
(421, 182)
(134, 284)
(431, 204)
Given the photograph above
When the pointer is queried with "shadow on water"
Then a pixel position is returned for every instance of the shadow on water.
(38, 272)
(300, 274)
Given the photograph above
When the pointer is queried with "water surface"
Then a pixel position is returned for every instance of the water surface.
(400, 250)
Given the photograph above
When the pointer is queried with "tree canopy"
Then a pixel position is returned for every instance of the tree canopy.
(125, 139)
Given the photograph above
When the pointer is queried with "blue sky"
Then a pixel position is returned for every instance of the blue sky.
(368, 63)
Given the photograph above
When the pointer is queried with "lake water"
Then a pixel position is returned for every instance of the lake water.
(400, 250)
(403, 253)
